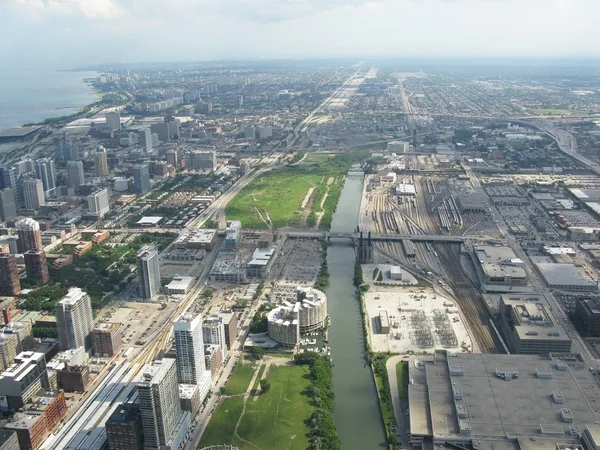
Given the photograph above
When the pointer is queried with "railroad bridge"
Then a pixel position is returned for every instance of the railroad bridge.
(355, 236)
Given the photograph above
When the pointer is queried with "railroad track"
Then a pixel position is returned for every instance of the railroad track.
(468, 298)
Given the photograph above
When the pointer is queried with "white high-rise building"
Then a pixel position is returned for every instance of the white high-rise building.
(98, 202)
(74, 319)
(189, 348)
(33, 193)
(148, 272)
(101, 162)
(163, 422)
(213, 332)
(113, 120)
(145, 139)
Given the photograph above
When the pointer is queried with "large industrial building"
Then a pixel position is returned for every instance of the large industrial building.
(528, 327)
(508, 402)
(499, 266)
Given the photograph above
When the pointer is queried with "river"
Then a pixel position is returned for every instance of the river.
(357, 413)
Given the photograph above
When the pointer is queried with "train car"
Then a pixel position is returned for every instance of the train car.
(409, 248)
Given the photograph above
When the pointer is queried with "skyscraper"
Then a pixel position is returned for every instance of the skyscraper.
(141, 178)
(75, 175)
(46, 172)
(172, 158)
(98, 202)
(163, 421)
(189, 348)
(30, 235)
(113, 120)
(33, 193)
(65, 149)
(8, 207)
(148, 272)
(36, 266)
(74, 319)
(9, 276)
(145, 138)
(101, 162)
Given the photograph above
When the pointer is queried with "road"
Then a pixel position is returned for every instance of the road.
(400, 406)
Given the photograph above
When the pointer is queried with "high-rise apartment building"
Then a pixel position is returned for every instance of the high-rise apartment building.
(46, 172)
(172, 158)
(36, 266)
(9, 275)
(8, 207)
(74, 319)
(75, 177)
(101, 162)
(98, 202)
(197, 160)
(213, 332)
(30, 235)
(106, 339)
(189, 348)
(141, 178)
(163, 422)
(33, 194)
(113, 120)
(148, 265)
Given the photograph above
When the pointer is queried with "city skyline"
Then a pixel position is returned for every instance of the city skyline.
(336, 28)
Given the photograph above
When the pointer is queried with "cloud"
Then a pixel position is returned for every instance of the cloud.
(46, 9)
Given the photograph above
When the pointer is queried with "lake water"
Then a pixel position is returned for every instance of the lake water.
(33, 95)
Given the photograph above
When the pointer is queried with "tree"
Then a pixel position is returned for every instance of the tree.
(265, 386)
(257, 352)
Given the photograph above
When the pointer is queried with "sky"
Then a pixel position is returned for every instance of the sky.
(77, 32)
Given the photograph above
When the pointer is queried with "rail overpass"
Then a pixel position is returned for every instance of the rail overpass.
(381, 237)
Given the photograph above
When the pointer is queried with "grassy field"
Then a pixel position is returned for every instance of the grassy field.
(402, 376)
(275, 420)
(240, 378)
(275, 198)
(317, 157)
(553, 112)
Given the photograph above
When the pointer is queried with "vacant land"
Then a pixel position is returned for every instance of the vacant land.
(317, 157)
(274, 199)
(275, 419)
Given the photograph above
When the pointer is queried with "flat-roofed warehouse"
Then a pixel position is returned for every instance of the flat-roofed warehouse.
(498, 265)
(492, 401)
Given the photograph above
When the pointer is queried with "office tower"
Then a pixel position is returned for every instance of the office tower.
(101, 162)
(30, 235)
(75, 175)
(239, 102)
(213, 332)
(113, 120)
(145, 139)
(8, 207)
(141, 178)
(172, 158)
(124, 428)
(163, 421)
(189, 348)
(26, 377)
(46, 172)
(98, 202)
(8, 179)
(74, 319)
(250, 132)
(9, 275)
(36, 266)
(65, 149)
(148, 272)
(33, 194)
(168, 130)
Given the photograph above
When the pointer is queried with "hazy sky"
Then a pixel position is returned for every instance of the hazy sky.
(87, 31)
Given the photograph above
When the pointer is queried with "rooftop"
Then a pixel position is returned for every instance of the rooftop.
(564, 275)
